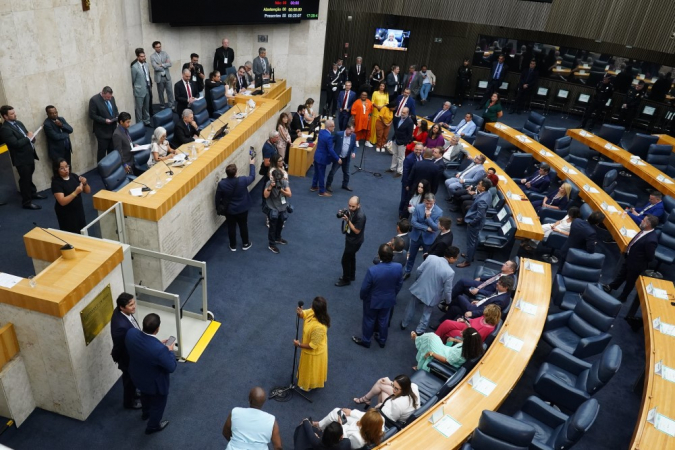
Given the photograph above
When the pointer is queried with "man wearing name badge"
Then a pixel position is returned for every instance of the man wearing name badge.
(121, 322)
(475, 220)
(538, 181)
(404, 101)
(197, 74)
(21, 145)
(58, 133)
(462, 306)
(473, 173)
(344, 146)
(103, 112)
(185, 129)
(526, 85)
(323, 155)
(403, 135)
(242, 82)
(223, 58)
(654, 207)
(465, 128)
(345, 101)
(261, 65)
(497, 74)
(140, 80)
(150, 363)
(424, 224)
(161, 62)
(443, 116)
(185, 92)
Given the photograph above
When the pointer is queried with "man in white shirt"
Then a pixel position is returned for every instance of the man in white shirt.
(455, 151)
(466, 127)
(391, 41)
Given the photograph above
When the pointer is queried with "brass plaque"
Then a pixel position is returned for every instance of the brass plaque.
(96, 315)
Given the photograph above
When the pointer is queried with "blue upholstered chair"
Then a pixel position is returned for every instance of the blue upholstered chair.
(562, 147)
(519, 165)
(486, 143)
(141, 158)
(111, 171)
(659, 156)
(583, 331)
(567, 382)
(639, 146)
(495, 240)
(137, 134)
(556, 430)
(201, 113)
(581, 269)
(549, 135)
(219, 103)
(665, 251)
(432, 384)
(611, 133)
(533, 125)
(164, 119)
(499, 432)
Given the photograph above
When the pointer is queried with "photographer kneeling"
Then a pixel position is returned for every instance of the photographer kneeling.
(275, 193)
(354, 224)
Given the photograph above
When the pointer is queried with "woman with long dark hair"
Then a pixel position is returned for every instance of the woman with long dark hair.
(67, 188)
(309, 438)
(313, 366)
(423, 188)
(435, 137)
(360, 428)
(430, 347)
(397, 399)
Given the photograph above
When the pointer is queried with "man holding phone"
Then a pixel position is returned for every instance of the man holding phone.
(150, 363)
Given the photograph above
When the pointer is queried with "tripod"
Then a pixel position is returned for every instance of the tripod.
(284, 394)
(360, 167)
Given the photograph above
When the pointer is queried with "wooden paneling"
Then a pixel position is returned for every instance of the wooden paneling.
(9, 345)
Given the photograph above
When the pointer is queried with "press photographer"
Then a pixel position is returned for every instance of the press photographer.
(276, 193)
(353, 227)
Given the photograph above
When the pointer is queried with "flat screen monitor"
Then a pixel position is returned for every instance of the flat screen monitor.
(258, 81)
(391, 39)
(649, 111)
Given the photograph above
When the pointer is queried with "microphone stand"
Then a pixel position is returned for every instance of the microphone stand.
(284, 394)
(170, 172)
(360, 167)
(145, 186)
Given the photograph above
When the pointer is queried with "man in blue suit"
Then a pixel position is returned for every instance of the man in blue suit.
(468, 308)
(150, 363)
(404, 101)
(345, 142)
(425, 170)
(380, 287)
(466, 127)
(538, 181)
(346, 99)
(424, 227)
(583, 235)
(443, 116)
(475, 219)
(323, 155)
(473, 173)
(654, 207)
(121, 322)
(408, 163)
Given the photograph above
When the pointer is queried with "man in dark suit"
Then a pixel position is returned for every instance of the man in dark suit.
(463, 306)
(526, 85)
(654, 207)
(298, 124)
(538, 181)
(185, 92)
(323, 155)
(261, 65)
(346, 99)
(425, 170)
(345, 142)
(103, 111)
(121, 322)
(379, 289)
(334, 84)
(404, 100)
(242, 82)
(58, 133)
(403, 135)
(21, 145)
(443, 239)
(357, 74)
(122, 141)
(639, 253)
(475, 219)
(424, 227)
(150, 363)
(483, 286)
(443, 116)
(223, 58)
(497, 75)
(406, 192)
(583, 235)
(185, 129)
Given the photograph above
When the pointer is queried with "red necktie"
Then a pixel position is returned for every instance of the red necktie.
(187, 87)
(344, 105)
(400, 106)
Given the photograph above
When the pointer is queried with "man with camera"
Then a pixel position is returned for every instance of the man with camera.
(275, 206)
(354, 224)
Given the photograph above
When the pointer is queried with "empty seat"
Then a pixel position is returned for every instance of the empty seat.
(111, 171)
(219, 104)
(549, 135)
(580, 270)
(201, 114)
(164, 119)
(519, 164)
(487, 144)
(499, 432)
(639, 146)
(611, 133)
(665, 251)
(141, 158)
(658, 155)
(533, 125)
(137, 134)
(562, 147)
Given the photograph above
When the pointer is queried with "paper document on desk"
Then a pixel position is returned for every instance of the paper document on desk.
(656, 292)
(631, 233)
(526, 220)
(138, 148)
(534, 267)
(511, 342)
(447, 426)
(526, 307)
(499, 126)
(515, 197)
(543, 152)
(663, 179)
(305, 136)
(8, 281)
(502, 178)
(303, 145)
(664, 424)
(482, 384)
(136, 192)
(584, 133)
(200, 141)
(590, 189)
(609, 146)
(612, 209)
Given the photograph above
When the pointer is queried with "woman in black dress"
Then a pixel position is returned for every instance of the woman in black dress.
(67, 188)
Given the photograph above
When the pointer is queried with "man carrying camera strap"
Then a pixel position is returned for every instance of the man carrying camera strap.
(354, 224)
(276, 193)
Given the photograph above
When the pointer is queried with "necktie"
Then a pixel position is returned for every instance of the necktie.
(145, 72)
(16, 125)
(487, 298)
(461, 129)
(498, 71)
(410, 79)
(535, 179)
(264, 65)
(489, 281)
(463, 174)
(633, 241)
(358, 70)
(344, 104)
(419, 158)
(109, 107)
(187, 88)
(440, 113)
(133, 322)
(400, 106)
(645, 209)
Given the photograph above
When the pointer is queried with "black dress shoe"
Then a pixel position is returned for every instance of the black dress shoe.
(342, 282)
(402, 327)
(634, 322)
(135, 405)
(359, 341)
(347, 188)
(38, 197)
(162, 425)
(32, 206)
(606, 288)
(381, 344)
(406, 275)
(443, 307)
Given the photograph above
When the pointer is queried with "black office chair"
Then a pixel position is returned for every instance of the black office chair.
(499, 239)
(568, 382)
(549, 135)
(480, 90)
(597, 175)
(658, 155)
(499, 432)
(556, 430)
(112, 173)
(645, 119)
(665, 251)
(486, 143)
(580, 270)
(499, 219)
(580, 104)
(540, 99)
(519, 165)
(559, 101)
(583, 331)
(498, 201)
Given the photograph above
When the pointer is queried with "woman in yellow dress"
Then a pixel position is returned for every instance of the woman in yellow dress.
(313, 366)
(380, 99)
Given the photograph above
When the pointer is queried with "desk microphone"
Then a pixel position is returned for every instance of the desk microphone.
(170, 172)
(238, 108)
(65, 247)
(187, 157)
(145, 186)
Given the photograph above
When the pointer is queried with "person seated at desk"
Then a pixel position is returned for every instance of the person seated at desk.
(360, 428)
(451, 330)
(298, 124)
(455, 152)
(538, 181)
(213, 81)
(485, 285)
(462, 305)
(443, 116)
(465, 128)
(583, 235)
(430, 347)
(160, 149)
(469, 176)
(397, 399)
(654, 207)
(314, 120)
(185, 129)
(435, 137)
(463, 201)
(557, 199)
(306, 437)
(242, 79)
(230, 87)
(562, 226)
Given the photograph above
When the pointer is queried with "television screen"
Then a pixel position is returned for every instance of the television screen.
(391, 39)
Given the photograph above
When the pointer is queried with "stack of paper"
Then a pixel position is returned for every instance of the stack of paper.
(447, 426)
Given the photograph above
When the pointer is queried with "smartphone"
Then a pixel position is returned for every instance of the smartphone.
(251, 151)
(170, 341)
(343, 417)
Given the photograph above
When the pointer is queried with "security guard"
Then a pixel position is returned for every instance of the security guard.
(631, 102)
(334, 84)
(603, 93)
(463, 82)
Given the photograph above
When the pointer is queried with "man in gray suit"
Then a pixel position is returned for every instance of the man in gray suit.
(161, 62)
(434, 283)
(261, 65)
(140, 79)
(475, 219)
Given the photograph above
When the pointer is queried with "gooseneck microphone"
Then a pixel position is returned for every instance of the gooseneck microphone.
(170, 172)
(145, 186)
(65, 247)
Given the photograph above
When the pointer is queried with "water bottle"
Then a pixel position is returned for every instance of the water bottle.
(31, 281)
(193, 153)
(158, 180)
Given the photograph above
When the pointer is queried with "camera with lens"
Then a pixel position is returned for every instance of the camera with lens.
(278, 176)
(343, 213)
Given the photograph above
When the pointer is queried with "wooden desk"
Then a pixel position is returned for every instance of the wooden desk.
(644, 170)
(665, 139)
(274, 91)
(594, 196)
(9, 345)
(564, 71)
(500, 364)
(64, 283)
(300, 159)
(659, 347)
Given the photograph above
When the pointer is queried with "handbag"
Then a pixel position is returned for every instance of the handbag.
(221, 208)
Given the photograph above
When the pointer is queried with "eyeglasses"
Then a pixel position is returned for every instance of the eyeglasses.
(64, 167)
(396, 389)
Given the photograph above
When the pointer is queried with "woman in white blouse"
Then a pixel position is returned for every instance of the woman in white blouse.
(360, 428)
(160, 148)
(562, 226)
(397, 399)
(423, 188)
(230, 86)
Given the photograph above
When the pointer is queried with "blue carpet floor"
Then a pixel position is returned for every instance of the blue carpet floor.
(254, 295)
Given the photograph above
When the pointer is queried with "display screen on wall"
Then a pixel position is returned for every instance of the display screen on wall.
(223, 12)
(391, 39)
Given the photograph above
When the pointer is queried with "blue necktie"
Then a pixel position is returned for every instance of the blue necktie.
(109, 107)
(498, 71)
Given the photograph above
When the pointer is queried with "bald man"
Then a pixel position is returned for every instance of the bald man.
(248, 428)
(353, 227)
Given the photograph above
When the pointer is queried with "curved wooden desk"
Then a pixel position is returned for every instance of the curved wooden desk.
(665, 139)
(276, 91)
(588, 190)
(500, 364)
(644, 170)
(659, 347)
(517, 201)
(300, 159)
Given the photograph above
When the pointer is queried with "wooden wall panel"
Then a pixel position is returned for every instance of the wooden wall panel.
(657, 26)
(9, 344)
